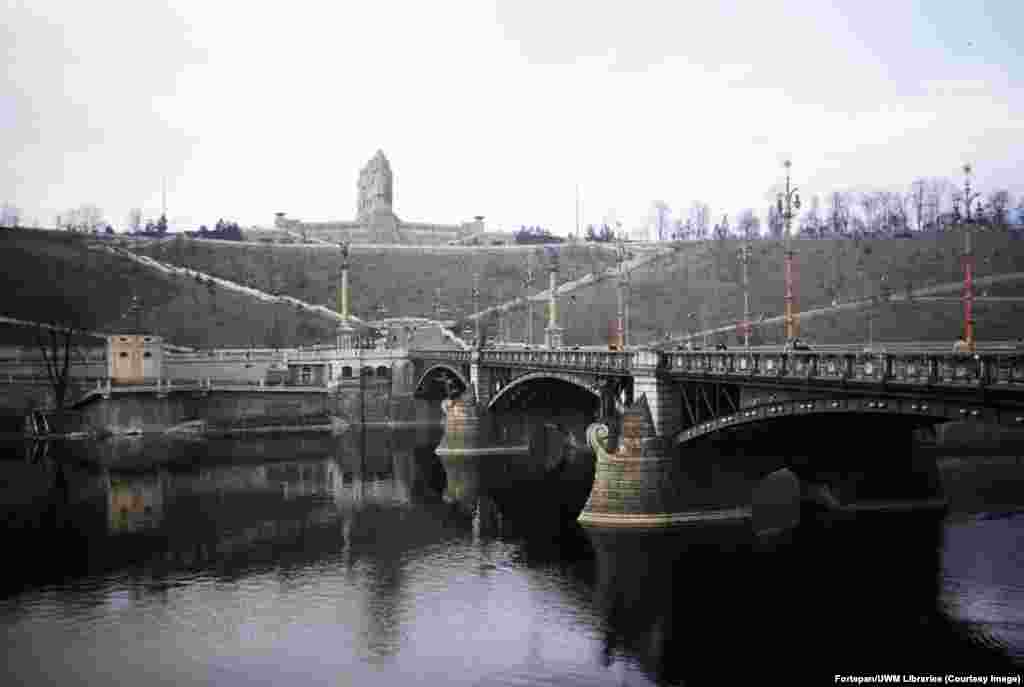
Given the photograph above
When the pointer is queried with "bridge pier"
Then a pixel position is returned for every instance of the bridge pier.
(665, 405)
(641, 485)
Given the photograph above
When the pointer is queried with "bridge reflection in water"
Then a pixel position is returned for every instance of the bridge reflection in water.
(369, 556)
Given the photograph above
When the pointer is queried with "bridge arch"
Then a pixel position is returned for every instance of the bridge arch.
(439, 369)
(912, 415)
(542, 376)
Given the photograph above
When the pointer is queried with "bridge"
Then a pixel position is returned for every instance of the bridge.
(659, 409)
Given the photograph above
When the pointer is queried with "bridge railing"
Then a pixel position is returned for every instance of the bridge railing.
(593, 360)
(924, 368)
(446, 354)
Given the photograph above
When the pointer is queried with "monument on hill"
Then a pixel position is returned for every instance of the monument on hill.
(376, 221)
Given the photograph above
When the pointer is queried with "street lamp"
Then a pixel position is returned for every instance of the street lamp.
(135, 308)
(744, 257)
(527, 285)
(622, 322)
(554, 332)
(476, 306)
(968, 256)
(569, 311)
(789, 200)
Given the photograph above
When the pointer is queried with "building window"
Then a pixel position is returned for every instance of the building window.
(346, 372)
(147, 354)
(307, 375)
(122, 354)
(383, 371)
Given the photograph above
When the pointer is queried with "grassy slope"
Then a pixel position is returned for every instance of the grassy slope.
(59, 276)
(706, 279)
(701, 278)
(402, 279)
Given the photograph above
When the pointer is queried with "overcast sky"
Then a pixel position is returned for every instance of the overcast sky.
(497, 108)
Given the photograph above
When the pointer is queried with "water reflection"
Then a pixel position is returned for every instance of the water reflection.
(365, 556)
(860, 598)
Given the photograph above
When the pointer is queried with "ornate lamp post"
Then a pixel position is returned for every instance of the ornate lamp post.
(554, 332)
(622, 315)
(968, 256)
(346, 333)
(789, 200)
(476, 308)
(620, 322)
(527, 285)
(135, 308)
(744, 257)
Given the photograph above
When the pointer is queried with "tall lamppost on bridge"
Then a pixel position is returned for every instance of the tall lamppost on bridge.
(622, 315)
(553, 332)
(968, 256)
(528, 281)
(135, 308)
(789, 200)
(476, 308)
(346, 333)
(744, 257)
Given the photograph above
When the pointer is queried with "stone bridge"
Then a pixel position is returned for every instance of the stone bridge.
(852, 407)
(689, 393)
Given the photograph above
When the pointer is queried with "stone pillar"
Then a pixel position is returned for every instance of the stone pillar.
(664, 403)
(553, 334)
(641, 485)
(480, 380)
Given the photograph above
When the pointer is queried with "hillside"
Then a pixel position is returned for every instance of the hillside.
(404, 281)
(705, 279)
(71, 278)
(699, 278)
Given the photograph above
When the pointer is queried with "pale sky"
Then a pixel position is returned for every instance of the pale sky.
(498, 108)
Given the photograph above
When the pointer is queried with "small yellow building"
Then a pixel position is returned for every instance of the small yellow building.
(134, 358)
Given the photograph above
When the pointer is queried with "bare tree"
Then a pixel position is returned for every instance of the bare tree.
(135, 220)
(55, 343)
(918, 191)
(722, 229)
(810, 223)
(884, 205)
(939, 191)
(661, 218)
(999, 202)
(899, 212)
(775, 223)
(700, 217)
(839, 212)
(869, 208)
(10, 215)
(86, 217)
(748, 225)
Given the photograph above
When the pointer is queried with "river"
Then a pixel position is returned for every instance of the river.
(363, 559)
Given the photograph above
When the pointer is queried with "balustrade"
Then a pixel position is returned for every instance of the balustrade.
(916, 368)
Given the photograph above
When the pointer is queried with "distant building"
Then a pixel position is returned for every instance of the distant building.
(376, 221)
(134, 358)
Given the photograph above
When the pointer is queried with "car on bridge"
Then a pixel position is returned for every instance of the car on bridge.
(798, 344)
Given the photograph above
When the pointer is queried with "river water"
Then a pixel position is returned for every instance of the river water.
(365, 560)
